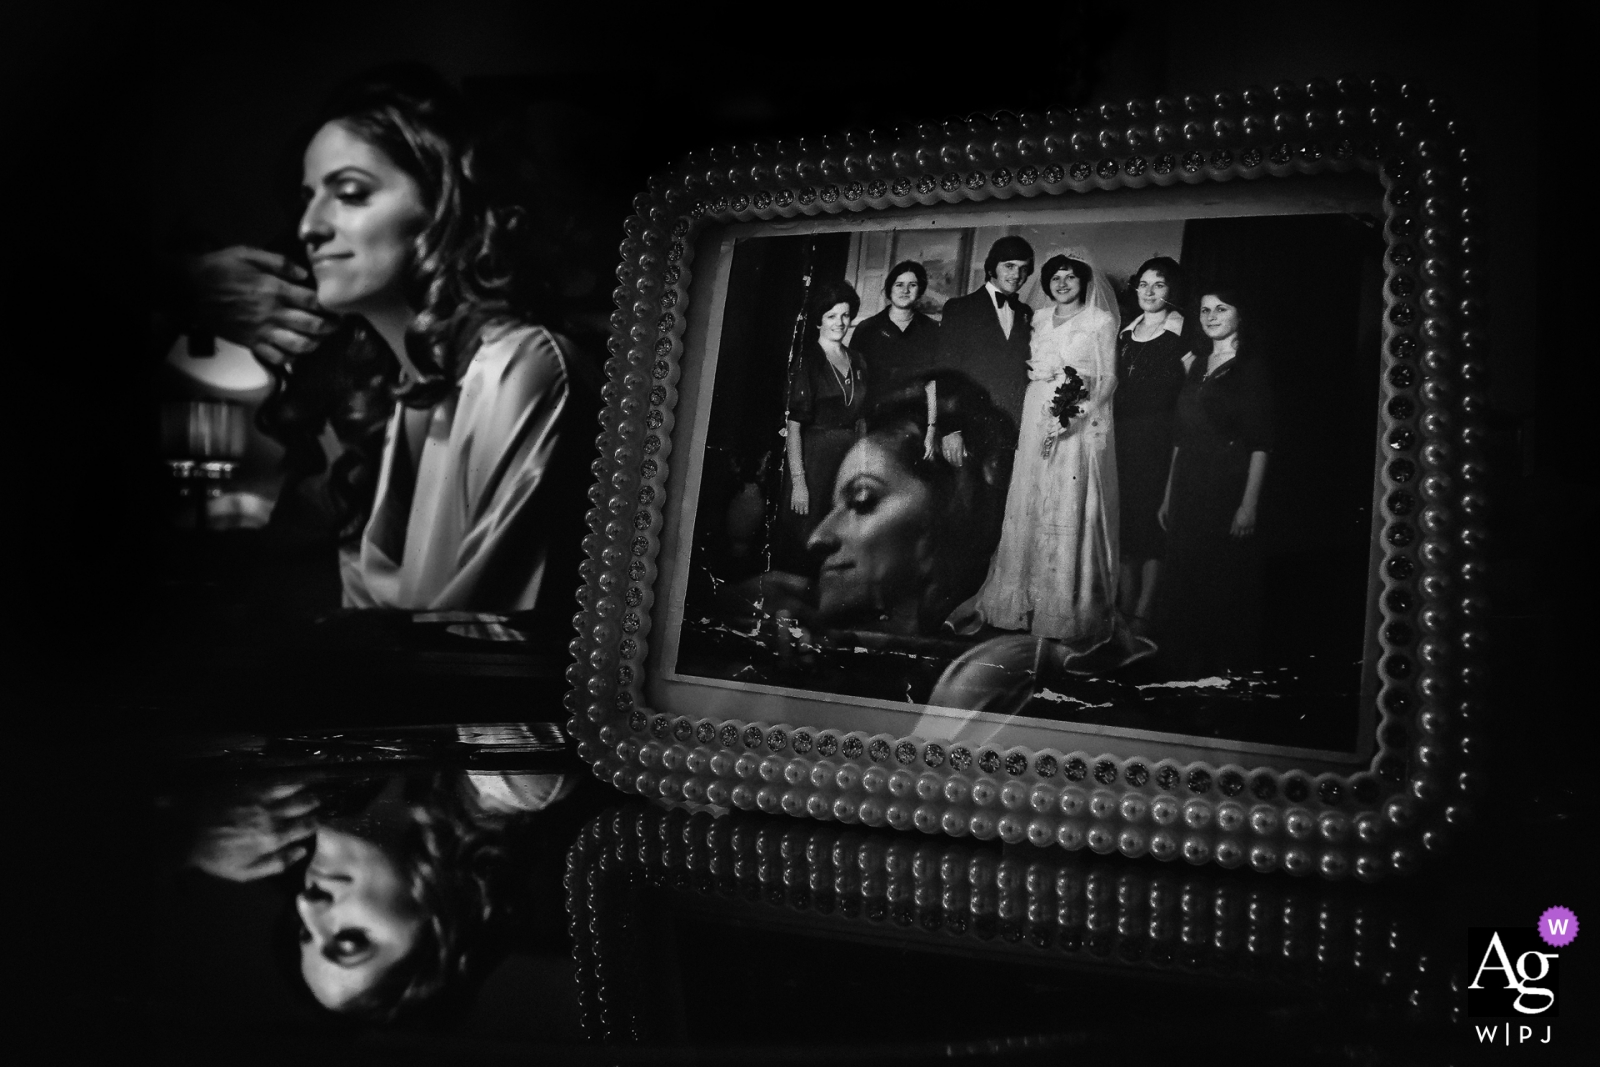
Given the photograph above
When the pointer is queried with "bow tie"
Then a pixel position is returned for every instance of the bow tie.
(1002, 299)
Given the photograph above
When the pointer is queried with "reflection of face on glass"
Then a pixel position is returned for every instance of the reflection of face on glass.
(1065, 287)
(1009, 274)
(903, 292)
(362, 213)
(358, 917)
(876, 539)
(1219, 320)
(835, 321)
(1152, 292)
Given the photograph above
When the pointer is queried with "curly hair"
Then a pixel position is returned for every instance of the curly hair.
(1080, 270)
(348, 387)
(829, 294)
(453, 861)
(459, 280)
(1171, 273)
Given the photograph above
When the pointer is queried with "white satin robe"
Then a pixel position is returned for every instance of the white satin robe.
(455, 522)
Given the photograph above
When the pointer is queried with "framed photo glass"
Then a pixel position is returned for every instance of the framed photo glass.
(1102, 479)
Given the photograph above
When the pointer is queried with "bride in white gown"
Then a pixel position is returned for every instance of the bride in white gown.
(1054, 573)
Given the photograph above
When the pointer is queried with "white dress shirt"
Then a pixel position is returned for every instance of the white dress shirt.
(1006, 312)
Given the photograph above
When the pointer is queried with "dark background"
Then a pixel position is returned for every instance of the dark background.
(140, 134)
(133, 132)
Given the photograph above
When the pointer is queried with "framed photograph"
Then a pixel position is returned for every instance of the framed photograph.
(1099, 479)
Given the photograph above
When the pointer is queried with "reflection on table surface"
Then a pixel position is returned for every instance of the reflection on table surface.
(433, 905)
(959, 943)
(204, 661)
(396, 882)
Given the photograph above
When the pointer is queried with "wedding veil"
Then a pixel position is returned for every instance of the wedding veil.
(1100, 301)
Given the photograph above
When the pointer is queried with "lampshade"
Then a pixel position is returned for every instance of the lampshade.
(204, 429)
(231, 370)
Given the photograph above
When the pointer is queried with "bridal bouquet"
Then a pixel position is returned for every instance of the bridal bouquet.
(1065, 406)
(1069, 397)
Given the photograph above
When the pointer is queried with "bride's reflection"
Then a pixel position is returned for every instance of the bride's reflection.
(398, 895)
(403, 891)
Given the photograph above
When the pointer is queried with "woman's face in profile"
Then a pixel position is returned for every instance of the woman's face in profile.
(903, 291)
(876, 537)
(358, 919)
(361, 216)
(1220, 320)
(835, 321)
(1065, 287)
(1152, 291)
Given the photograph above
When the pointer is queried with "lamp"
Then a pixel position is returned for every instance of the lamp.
(205, 436)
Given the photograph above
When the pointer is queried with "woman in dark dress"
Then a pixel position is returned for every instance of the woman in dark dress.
(899, 343)
(1209, 612)
(827, 399)
(1150, 371)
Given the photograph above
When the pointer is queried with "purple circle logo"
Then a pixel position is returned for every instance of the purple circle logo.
(1558, 926)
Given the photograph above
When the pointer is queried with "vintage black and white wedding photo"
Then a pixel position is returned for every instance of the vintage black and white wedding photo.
(1116, 472)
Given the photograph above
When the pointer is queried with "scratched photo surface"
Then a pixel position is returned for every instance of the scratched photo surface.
(1019, 559)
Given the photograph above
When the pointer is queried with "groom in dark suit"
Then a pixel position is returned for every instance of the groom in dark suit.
(985, 333)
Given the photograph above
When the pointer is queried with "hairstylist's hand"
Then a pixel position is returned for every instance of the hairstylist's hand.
(255, 831)
(257, 299)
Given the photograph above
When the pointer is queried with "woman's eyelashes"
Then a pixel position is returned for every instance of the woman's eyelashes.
(344, 190)
(862, 496)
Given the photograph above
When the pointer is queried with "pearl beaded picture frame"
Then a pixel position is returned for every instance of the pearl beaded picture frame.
(633, 873)
(1368, 808)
